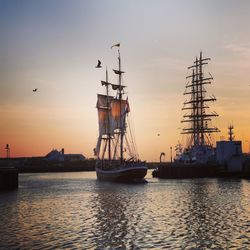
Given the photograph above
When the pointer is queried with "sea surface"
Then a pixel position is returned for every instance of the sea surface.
(75, 211)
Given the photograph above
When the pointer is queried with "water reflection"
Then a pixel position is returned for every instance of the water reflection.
(111, 221)
(74, 211)
(212, 214)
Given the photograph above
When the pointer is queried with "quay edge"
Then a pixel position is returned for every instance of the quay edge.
(8, 178)
(184, 171)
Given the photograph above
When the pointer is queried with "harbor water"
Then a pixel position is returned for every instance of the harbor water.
(75, 211)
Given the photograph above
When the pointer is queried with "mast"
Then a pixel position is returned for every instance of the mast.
(109, 136)
(120, 98)
(120, 87)
(104, 109)
(198, 118)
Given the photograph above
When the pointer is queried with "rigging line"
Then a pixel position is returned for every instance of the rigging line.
(209, 140)
(133, 138)
(113, 146)
(133, 142)
(116, 145)
(104, 150)
(133, 146)
(130, 135)
(128, 142)
(128, 146)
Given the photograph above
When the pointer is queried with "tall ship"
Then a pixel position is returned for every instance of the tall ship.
(200, 158)
(117, 157)
(197, 118)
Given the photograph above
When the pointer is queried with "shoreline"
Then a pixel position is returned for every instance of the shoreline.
(39, 165)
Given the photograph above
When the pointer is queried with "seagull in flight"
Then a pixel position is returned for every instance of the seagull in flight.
(98, 64)
(34, 90)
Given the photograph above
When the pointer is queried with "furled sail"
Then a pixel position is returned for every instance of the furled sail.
(117, 86)
(105, 83)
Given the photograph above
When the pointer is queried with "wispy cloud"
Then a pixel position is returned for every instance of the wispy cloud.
(241, 49)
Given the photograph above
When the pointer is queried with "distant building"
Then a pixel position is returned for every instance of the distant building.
(56, 155)
(229, 153)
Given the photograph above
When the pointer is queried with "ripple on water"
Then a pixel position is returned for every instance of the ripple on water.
(74, 211)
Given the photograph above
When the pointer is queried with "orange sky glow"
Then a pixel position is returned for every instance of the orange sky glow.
(54, 46)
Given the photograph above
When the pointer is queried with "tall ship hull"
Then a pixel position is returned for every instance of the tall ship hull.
(117, 158)
(131, 173)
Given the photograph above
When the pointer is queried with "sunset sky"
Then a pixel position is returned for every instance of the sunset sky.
(54, 45)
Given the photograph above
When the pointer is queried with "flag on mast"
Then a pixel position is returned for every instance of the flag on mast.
(115, 45)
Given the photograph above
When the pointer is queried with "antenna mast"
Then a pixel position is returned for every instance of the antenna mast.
(230, 132)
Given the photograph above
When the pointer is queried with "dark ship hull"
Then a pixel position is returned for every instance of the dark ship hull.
(186, 171)
(130, 173)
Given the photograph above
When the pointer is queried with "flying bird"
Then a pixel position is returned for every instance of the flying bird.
(35, 90)
(116, 45)
(98, 64)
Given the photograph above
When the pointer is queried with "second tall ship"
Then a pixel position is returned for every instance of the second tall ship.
(117, 157)
(199, 127)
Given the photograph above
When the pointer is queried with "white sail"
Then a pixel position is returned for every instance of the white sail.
(103, 107)
(103, 101)
(111, 114)
(119, 108)
(98, 147)
(103, 121)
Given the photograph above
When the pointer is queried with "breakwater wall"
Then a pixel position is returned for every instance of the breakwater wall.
(8, 178)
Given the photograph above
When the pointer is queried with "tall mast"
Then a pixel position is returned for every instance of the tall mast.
(109, 139)
(120, 98)
(104, 110)
(198, 118)
(119, 87)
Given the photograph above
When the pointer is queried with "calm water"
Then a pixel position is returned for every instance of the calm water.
(74, 211)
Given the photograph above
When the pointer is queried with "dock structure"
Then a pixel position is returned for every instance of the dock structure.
(8, 178)
(184, 171)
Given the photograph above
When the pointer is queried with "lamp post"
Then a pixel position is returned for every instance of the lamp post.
(162, 154)
(7, 148)
(171, 159)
